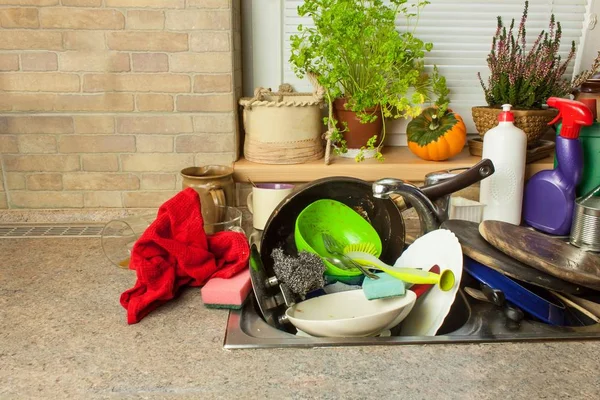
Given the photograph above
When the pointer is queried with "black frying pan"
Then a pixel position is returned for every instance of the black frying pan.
(382, 214)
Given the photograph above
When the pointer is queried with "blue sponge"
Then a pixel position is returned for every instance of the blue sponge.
(384, 287)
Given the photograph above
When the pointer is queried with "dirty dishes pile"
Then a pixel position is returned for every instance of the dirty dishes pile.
(349, 314)
(346, 210)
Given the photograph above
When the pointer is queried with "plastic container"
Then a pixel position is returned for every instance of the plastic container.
(465, 209)
(590, 141)
(550, 194)
(502, 193)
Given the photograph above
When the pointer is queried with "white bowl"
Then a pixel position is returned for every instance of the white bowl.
(348, 314)
(439, 247)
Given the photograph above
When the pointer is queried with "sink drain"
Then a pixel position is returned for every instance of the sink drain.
(53, 230)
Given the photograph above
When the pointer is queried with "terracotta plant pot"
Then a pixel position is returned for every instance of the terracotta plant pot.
(358, 133)
(533, 122)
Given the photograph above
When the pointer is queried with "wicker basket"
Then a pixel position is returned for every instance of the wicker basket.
(283, 127)
(533, 122)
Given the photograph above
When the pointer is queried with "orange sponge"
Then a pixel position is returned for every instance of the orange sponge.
(227, 293)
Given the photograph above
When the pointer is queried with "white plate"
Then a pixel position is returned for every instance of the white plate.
(439, 247)
(348, 314)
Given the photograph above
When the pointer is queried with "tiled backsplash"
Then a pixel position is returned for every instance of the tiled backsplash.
(105, 101)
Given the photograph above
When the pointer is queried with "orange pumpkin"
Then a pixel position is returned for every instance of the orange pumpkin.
(436, 140)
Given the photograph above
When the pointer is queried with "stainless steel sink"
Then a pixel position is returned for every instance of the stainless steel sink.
(469, 321)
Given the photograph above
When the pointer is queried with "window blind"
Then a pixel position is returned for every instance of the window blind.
(461, 32)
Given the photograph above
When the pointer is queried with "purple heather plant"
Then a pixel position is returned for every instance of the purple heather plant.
(526, 79)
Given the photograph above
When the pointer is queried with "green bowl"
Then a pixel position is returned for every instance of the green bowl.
(340, 221)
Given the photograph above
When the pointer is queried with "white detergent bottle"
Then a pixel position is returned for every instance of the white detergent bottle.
(502, 193)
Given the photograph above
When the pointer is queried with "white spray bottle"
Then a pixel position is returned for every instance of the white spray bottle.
(502, 193)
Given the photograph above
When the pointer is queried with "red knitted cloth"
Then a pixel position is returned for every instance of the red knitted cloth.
(175, 251)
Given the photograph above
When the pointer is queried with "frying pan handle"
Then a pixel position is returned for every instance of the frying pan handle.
(476, 173)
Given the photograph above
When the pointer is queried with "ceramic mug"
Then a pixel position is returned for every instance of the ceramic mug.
(263, 200)
(215, 186)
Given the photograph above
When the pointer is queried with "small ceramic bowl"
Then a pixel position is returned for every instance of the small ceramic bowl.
(349, 314)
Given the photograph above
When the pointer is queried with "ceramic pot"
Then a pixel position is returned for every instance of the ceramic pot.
(533, 122)
(590, 89)
(215, 186)
(358, 133)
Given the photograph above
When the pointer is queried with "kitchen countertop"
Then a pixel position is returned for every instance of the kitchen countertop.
(64, 335)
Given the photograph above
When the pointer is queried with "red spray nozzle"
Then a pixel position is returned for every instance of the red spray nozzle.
(574, 115)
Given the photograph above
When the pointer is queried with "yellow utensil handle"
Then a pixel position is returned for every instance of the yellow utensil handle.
(445, 279)
(411, 275)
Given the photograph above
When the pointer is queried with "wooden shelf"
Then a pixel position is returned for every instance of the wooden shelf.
(399, 163)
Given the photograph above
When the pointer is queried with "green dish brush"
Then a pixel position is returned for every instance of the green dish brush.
(366, 247)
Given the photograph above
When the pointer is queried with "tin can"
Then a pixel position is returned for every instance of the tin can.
(585, 231)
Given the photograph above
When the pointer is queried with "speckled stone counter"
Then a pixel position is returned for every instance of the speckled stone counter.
(70, 215)
(63, 334)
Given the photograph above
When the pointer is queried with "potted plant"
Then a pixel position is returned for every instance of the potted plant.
(524, 78)
(369, 70)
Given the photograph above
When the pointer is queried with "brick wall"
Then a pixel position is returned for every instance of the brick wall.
(103, 102)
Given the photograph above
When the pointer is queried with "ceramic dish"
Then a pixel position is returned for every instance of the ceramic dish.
(384, 333)
(348, 314)
(405, 311)
(439, 247)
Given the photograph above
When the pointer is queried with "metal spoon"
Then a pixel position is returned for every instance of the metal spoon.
(341, 264)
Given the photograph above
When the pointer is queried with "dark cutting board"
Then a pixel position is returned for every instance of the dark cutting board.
(544, 253)
(475, 247)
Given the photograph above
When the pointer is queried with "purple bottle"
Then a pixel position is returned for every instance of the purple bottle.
(549, 196)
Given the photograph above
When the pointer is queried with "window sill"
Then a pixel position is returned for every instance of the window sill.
(399, 163)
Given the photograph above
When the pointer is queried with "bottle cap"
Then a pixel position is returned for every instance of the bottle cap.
(591, 104)
(506, 115)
